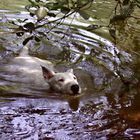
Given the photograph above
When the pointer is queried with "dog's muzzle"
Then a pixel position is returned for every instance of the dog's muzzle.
(75, 89)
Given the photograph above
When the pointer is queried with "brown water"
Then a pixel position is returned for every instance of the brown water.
(106, 109)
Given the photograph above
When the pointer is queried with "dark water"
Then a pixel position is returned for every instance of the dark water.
(106, 109)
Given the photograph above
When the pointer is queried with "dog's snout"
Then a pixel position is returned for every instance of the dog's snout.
(75, 88)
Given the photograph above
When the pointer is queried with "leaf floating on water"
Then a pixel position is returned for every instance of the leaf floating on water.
(84, 15)
(27, 40)
(117, 18)
(41, 12)
(51, 14)
(20, 33)
(112, 33)
(29, 26)
(65, 10)
(93, 27)
(37, 39)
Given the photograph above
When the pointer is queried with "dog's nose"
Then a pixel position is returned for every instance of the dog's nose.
(75, 88)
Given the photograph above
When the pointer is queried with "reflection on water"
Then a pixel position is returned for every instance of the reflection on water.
(103, 117)
(131, 112)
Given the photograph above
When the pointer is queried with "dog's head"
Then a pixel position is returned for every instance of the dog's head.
(65, 82)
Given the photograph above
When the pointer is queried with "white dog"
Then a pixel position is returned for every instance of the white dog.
(62, 82)
(38, 72)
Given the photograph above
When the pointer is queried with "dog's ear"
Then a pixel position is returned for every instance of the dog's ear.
(70, 70)
(47, 74)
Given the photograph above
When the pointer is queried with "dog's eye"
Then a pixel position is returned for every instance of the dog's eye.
(61, 80)
(74, 78)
